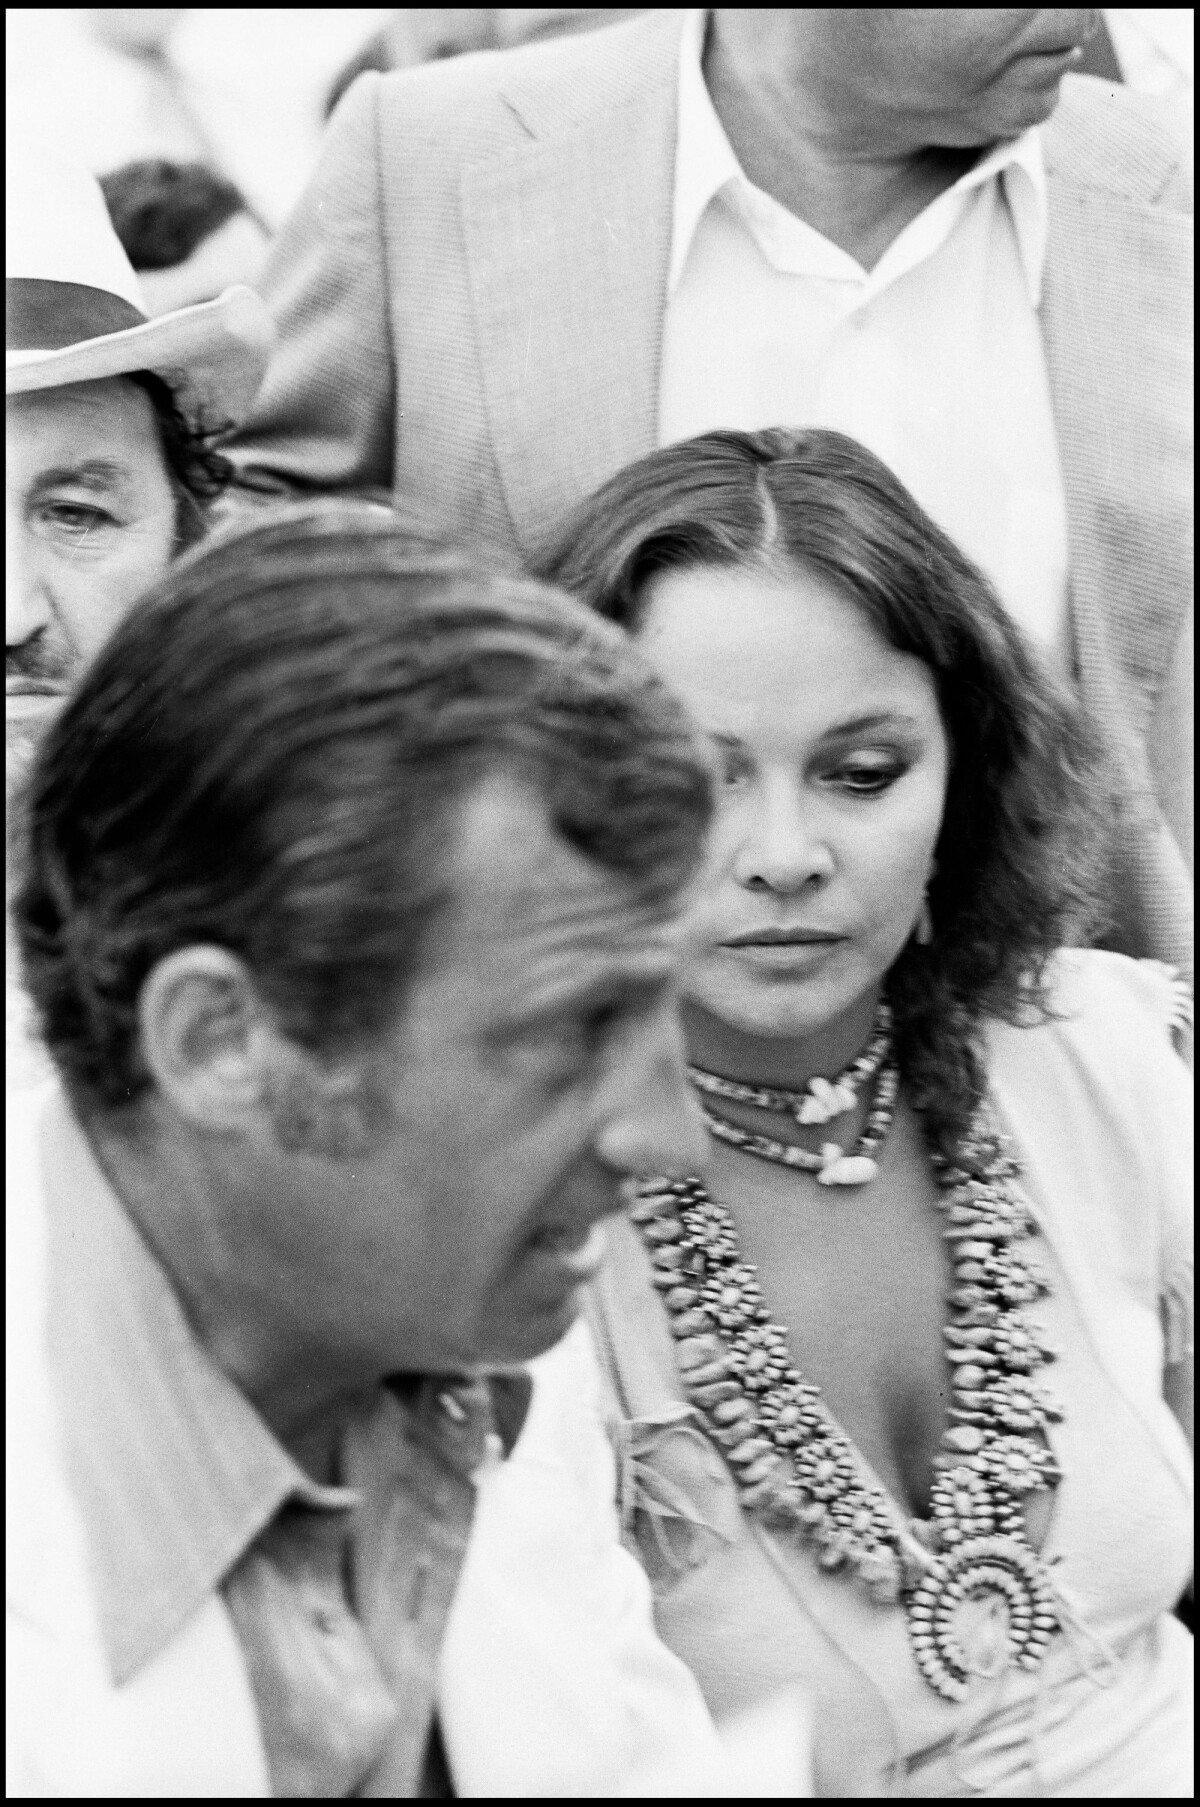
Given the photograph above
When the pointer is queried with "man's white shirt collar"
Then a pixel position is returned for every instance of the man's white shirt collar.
(705, 166)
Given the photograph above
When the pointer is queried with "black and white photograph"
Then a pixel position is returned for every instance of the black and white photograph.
(599, 903)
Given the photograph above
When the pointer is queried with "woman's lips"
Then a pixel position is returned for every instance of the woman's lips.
(784, 955)
(776, 937)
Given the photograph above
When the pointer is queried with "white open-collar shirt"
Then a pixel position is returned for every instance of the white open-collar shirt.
(933, 359)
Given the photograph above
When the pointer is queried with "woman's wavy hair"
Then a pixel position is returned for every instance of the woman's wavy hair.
(1029, 804)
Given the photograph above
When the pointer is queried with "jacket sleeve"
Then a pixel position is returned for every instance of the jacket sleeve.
(1171, 743)
(323, 420)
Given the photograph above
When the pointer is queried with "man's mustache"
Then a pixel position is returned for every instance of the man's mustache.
(38, 662)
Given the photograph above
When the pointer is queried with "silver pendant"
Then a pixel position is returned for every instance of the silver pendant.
(982, 1606)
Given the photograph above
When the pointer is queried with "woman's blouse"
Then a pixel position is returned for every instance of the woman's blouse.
(1099, 1108)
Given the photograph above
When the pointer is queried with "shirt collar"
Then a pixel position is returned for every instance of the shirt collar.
(174, 1471)
(704, 159)
(705, 164)
(1021, 166)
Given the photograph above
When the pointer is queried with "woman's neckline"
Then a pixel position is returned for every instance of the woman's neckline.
(904, 1519)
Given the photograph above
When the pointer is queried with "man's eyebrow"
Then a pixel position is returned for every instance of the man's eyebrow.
(92, 473)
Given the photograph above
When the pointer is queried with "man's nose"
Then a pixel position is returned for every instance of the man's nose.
(783, 847)
(27, 610)
(650, 1123)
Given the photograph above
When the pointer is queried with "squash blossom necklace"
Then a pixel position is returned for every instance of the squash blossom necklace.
(976, 1596)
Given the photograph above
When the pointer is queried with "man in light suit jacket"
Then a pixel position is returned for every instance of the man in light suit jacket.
(515, 272)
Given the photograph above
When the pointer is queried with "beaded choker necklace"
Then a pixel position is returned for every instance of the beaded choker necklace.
(819, 1102)
(821, 1099)
(975, 1594)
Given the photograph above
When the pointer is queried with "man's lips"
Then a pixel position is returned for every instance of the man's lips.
(23, 686)
(1046, 56)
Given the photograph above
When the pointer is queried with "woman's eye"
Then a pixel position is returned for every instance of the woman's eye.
(865, 780)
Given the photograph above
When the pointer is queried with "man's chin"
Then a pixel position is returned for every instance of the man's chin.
(28, 712)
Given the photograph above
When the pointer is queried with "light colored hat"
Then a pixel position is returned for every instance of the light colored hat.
(74, 311)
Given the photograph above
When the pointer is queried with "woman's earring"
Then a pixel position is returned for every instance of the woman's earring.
(924, 930)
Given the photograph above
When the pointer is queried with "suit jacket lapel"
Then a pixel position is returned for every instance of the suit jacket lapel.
(568, 239)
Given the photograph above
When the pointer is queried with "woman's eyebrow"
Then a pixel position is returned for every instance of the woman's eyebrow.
(895, 719)
(866, 724)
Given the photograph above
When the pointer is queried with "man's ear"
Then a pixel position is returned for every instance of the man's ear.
(203, 1036)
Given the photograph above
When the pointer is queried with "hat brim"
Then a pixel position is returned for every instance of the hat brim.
(213, 357)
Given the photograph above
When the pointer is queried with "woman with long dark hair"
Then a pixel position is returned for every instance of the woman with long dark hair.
(946, 1152)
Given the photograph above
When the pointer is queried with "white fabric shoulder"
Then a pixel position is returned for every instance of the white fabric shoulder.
(1097, 986)
(1100, 1095)
(552, 1679)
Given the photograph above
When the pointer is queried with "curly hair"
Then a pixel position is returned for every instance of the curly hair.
(1024, 843)
(199, 474)
(268, 754)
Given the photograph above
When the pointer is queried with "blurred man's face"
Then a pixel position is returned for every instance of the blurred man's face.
(956, 77)
(536, 1065)
(135, 30)
(90, 520)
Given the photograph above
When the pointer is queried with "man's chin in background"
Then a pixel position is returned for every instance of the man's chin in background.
(35, 689)
(29, 708)
(30, 705)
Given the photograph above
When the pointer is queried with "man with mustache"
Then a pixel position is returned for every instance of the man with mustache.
(109, 462)
(109, 422)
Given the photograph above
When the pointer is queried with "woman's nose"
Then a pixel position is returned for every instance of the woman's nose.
(783, 847)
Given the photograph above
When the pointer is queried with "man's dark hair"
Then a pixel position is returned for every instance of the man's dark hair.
(1026, 836)
(268, 756)
(162, 210)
